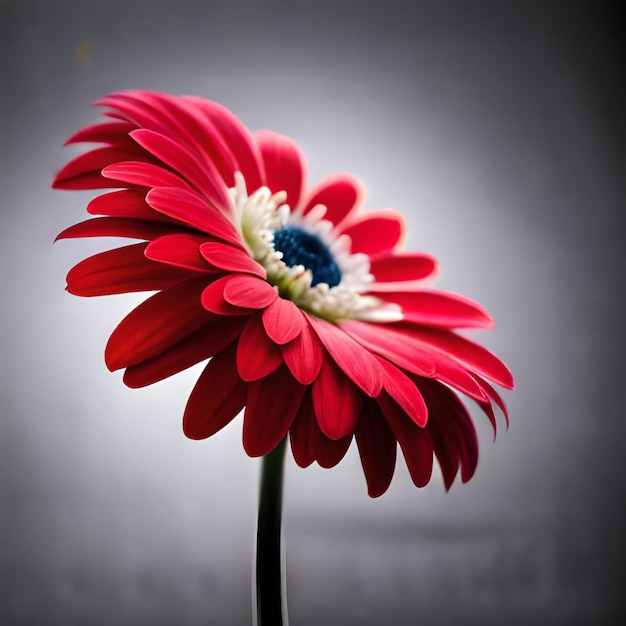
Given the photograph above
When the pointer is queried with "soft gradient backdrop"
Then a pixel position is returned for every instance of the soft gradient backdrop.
(497, 128)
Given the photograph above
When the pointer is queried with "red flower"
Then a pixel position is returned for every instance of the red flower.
(315, 321)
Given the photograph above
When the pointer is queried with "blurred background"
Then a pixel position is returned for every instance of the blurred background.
(497, 128)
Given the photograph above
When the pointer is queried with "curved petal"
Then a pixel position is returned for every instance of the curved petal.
(405, 266)
(86, 170)
(438, 308)
(116, 227)
(376, 232)
(231, 259)
(283, 321)
(121, 270)
(237, 138)
(201, 345)
(493, 394)
(212, 299)
(446, 448)
(487, 409)
(205, 179)
(134, 106)
(391, 345)
(285, 168)
(304, 355)
(187, 207)
(271, 406)
(357, 362)
(141, 174)
(173, 117)
(115, 133)
(403, 348)
(451, 416)
(405, 392)
(157, 324)
(180, 250)
(309, 443)
(340, 193)
(331, 451)
(415, 442)
(469, 353)
(377, 449)
(337, 401)
(305, 434)
(190, 126)
(126, 203)
(249, 292)
(217, 397)
(257, 355)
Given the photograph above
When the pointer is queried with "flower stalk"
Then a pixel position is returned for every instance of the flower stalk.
(271, 607)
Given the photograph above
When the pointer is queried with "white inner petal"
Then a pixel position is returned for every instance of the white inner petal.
(258, 216)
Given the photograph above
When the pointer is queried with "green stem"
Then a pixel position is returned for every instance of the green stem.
(269, 601)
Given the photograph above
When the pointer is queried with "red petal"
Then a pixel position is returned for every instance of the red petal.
(475, 357)
(493, 394)
(121, 270)
(205, 179)
(116, 227)
(437, 308)
(272, 404)
(283, 321)
(453, 420)
(257, 356)
(446, 448)
(337, 401)
(204, 343)
(402, 347)
(469, 450)
(187, 207)
(231, 259)
(249, 292)
(216, 399)
(487, 409)
(357, 362)
(285, 168)
(126, 203)
(405, 392)
(450, 372)
(191, 128)
(341, 194)
(134, 106)
(415, 442)
(180, 250)
(237, 138)
(305, 435)
(104, 132)
(375, 232)
(392, 345)
(212, 299)
(304, 355)
(84, 172)
(402, 267)
(309, 443)
(377, 449)
(157, 324)
(142, 174)
(330, 452)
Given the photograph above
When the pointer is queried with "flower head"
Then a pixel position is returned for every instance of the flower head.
(312, 316)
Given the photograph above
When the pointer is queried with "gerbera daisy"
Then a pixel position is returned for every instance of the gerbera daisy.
(313, 318)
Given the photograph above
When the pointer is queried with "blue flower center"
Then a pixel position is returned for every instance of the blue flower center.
(302, 248)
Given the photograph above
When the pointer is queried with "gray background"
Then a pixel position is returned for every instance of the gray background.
(497, 128)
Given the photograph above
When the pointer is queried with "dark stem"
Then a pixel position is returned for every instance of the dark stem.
(269, 601)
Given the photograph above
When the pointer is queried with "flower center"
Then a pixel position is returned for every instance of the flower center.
(302, 248)
(304, 259)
